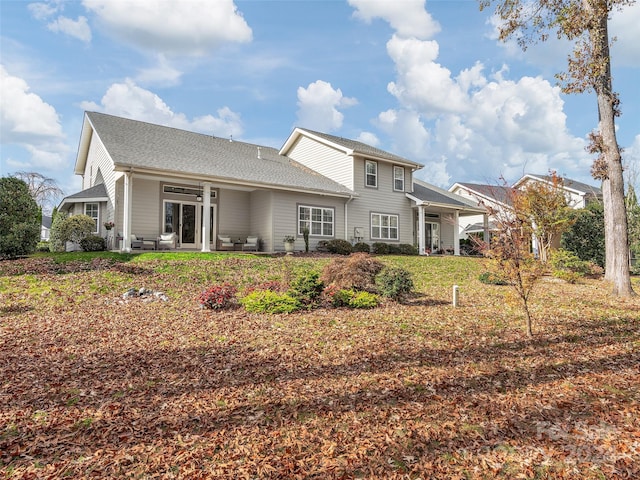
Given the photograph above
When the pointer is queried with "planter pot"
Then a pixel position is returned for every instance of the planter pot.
(288, 247)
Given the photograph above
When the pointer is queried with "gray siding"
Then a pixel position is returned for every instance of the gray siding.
(325, 160)
(233, 213)
(98, 161)
(285, 213)
(146, 208)
(382, 199)
(261, 218)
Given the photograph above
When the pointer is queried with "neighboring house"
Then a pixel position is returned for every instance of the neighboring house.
(45, 228)
(578, 194)
(497, 198)
(150, 180)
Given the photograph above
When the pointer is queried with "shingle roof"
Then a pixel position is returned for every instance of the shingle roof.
(573, 184)
(361, 148)
(496, 192)
(432, 194)
(132, 143)
(97, 191)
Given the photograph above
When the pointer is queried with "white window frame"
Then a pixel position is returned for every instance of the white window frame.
(382, 227)
(373, 175)
(95, 218)
(320, 220)
(398, 176)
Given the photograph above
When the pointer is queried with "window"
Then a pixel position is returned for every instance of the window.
(318, 220)
(91, 210)
(371, 173)
(398, 179)
(384, 227)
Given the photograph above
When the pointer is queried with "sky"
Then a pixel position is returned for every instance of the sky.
(427, 80)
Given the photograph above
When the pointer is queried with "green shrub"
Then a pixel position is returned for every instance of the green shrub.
(394, 249)
(363, 300)
(20, 219)
(394, 282)
(266, 301)
(362, 247)
(491, 278)
(380, 248)
(307, 288)
(93, 243)
(42, 246)
(57, 234)
(321, 246)
(408, 249)
(342, 297)
(567, 266)
(339, 246)
(356, 271)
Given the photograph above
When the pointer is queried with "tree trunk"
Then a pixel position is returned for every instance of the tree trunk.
(615, 215)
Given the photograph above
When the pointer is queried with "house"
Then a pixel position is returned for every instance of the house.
(498, 198)
(45, 228)
(150, 179)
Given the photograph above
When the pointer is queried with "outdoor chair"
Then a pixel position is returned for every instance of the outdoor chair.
(225, 243)
(250, 244)
(167, 241)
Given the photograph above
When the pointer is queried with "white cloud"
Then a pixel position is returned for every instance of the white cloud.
(471, 126)
(31, 123)
(422, 83)
(162, 74)
(407, 17)
(318, 106)
(78, 29)
(44, 10)
(193, 27)
(129, 100)
(624, 26)
(369, 138)
(405, 127)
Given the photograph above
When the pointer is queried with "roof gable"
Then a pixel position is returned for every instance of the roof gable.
(348, 146)
(493, 193)
(568, 184)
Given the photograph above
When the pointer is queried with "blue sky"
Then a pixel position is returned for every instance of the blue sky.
(425, 80)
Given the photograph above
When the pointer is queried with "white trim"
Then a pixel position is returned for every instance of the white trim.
(389, 227)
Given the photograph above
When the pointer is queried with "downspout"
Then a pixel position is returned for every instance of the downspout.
(346, 217)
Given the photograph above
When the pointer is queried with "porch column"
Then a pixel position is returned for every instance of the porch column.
(421, 250)
(126, 217)
(206, 217)
(456, 233)
(485, 233)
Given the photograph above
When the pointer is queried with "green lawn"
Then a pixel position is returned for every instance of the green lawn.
(92, 385)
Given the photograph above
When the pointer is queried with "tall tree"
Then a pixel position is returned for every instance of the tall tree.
(584, 22)
(44, 190)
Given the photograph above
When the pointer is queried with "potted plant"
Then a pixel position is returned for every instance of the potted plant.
(289, 242)
(109, 225)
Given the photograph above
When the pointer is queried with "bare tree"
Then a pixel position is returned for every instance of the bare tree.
(585, 22)
(44, 190)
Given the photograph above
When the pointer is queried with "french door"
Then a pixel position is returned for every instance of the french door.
(185, 219)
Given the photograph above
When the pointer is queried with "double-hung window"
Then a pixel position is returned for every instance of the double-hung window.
(398, 178)
(318, 220)
(371, 173)
(384, 226)
(92, 210)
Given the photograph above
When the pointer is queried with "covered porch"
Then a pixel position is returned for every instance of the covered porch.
(437, 216)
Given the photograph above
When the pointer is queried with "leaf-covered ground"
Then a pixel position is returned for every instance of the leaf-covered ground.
(92, 386)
